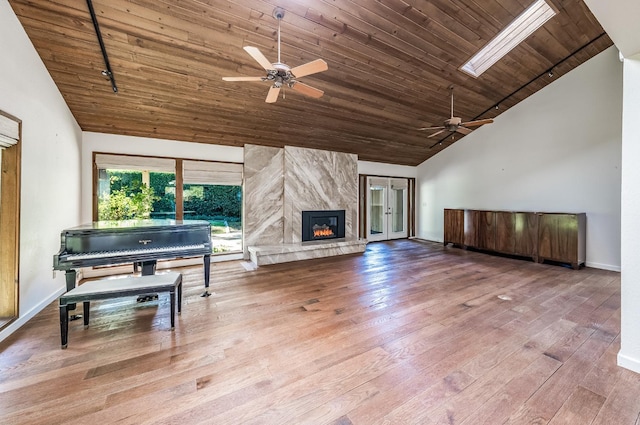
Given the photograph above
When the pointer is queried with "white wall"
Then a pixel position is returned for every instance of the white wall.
(629, 355)
(113, 143)
(558, 150)
(50, 186)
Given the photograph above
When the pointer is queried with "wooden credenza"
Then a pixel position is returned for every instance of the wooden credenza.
(559, 237)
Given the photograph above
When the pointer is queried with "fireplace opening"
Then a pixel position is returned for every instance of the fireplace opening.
(326, 224)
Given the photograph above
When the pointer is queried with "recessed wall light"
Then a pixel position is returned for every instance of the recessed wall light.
(515, 33)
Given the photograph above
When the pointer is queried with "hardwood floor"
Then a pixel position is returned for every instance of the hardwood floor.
(407, 333)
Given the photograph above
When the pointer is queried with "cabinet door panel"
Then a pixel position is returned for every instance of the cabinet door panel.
(486, 232)
(547, 235)
(470, 228)
(567, 245)
(561, 237)
(453, 226)
(526, 234)
(505, 232)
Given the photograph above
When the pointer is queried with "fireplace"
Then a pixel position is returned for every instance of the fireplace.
(319, 225)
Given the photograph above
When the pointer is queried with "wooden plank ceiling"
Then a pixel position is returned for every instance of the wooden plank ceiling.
(390, 65)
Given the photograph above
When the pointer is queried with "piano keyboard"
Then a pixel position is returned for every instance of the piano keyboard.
(122, 253)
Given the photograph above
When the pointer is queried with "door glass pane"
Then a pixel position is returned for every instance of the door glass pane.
(132, 194)
(377, 210)
(397, 219)
(222, 207)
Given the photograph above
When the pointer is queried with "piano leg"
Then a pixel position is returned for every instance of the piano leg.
(64, 325)
(70, 277)
(148, 267)
(207, 272)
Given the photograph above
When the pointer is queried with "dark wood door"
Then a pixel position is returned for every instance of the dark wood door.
(453, 226)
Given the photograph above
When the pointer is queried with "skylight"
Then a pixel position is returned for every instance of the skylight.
(515, 33)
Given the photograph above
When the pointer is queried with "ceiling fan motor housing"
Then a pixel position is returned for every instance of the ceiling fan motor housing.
(454, 121)
(280, 75)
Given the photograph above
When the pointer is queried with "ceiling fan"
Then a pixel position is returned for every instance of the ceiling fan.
(455, 124)
(281, 75)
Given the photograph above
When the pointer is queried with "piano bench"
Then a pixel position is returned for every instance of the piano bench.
(115, 288)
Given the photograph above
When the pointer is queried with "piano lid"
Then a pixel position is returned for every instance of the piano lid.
(127, 225)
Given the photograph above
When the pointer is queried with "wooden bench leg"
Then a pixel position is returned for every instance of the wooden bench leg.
(64, 325)
(180, 296)
(172, 297)
(85, 310)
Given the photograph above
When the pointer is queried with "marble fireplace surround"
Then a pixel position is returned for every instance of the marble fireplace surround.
(280, 183)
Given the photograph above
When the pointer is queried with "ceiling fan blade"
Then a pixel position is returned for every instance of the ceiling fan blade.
(243, 78)
(463, 130)
(309, 68)
(308, 90)
(436, 133)
(477, 123)
(259, 57)
(272, 96)
(431, 128)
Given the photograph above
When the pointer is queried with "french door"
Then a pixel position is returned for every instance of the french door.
(386, 208)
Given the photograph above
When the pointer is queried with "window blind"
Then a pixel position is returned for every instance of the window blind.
(9, 132)
(377, 182)
(213, 173)
(138, 163)
(399, 184)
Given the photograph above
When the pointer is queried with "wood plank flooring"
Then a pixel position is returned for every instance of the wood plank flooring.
(408, 333)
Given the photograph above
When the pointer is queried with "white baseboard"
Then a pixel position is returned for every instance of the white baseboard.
(24, 318)
(627, 362)
(603, 266)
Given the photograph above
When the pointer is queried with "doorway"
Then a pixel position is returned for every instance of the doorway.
(10, 129)
(387, 201)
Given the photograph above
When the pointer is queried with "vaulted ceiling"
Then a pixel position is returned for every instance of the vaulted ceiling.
(391, 63)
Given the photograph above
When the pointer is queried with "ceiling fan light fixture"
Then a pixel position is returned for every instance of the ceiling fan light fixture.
(513, 34)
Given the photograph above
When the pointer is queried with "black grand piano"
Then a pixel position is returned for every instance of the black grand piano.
(141, 242)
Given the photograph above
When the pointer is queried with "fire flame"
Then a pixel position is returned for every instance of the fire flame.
(322, 232)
